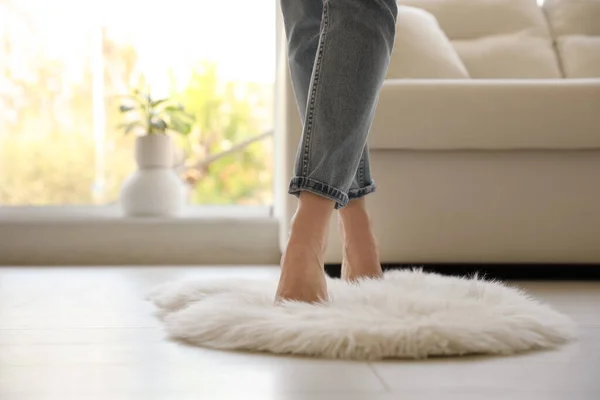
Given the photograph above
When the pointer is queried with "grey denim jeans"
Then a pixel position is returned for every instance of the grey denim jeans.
(339, 52)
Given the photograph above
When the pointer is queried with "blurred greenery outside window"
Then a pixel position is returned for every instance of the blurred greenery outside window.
(61, 78)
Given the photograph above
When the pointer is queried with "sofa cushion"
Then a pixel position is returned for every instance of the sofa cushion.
(576, 27)
(568, 17)
(580, 55)
(472, 19)
(421, 48)
(508, 56)
(497, 38)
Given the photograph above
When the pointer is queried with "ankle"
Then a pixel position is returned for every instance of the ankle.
(355, 212)
(304, 251)
(317, 205)
(310, 223)
(303, 233)
(356, 226)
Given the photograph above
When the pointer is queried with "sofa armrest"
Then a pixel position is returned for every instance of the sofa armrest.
(487, 114)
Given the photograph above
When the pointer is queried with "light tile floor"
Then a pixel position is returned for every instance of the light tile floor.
(87, 333)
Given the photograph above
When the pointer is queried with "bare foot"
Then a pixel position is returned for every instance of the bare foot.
(302, 274)
(361, 254)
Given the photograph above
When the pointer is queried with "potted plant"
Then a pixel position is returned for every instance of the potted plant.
(154, 189)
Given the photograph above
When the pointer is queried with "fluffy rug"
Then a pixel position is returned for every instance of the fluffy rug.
(408, 314)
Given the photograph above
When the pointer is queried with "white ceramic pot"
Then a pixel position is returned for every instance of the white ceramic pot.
(154, 151)
(154, 190)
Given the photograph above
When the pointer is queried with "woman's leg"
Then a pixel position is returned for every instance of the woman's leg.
(302, 275)
(350, 59)
(361, 253)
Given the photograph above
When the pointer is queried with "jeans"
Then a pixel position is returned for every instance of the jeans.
(339, 52)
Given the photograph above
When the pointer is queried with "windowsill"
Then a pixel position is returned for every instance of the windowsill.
(89, 235)
(192, 214)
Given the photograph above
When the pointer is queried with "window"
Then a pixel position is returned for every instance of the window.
(65, 63)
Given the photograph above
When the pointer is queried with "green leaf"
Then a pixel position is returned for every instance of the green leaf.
(185, 117)
(180, 126)
(159, 124)
(157, 102)
(174, 108)
(125, 108)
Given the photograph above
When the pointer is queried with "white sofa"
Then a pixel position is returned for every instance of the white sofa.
(500, 166)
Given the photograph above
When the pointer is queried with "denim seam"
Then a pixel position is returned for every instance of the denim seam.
(361, 172)
(314, 91)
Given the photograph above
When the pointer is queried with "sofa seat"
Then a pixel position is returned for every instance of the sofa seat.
(478, 114)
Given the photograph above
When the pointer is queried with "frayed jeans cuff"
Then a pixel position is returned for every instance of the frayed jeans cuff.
(301, 183)
(360, 192)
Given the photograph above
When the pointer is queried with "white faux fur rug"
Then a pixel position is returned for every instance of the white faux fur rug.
(408, 314)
